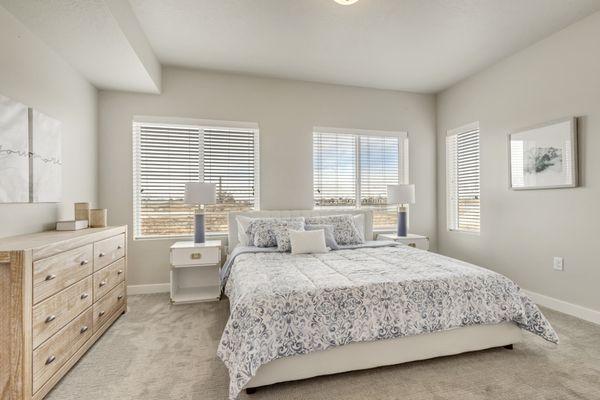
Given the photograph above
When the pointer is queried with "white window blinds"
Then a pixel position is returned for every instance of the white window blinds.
(462, 177)
(379, 167)
(166, 156)
(353, 170)
(229, 162)
(334, 170)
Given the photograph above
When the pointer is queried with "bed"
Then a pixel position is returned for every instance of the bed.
(300, 316)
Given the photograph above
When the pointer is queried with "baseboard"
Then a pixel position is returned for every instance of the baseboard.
(575, 310)
(145, 289)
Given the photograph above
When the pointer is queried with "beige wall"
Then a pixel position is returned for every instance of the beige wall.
(286, 112)
(33, 74)
(523, 230)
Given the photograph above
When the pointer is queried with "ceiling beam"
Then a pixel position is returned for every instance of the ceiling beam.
(127, 21)
(101, 39)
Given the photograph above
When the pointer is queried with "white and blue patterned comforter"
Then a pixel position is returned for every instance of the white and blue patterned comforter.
(283, 305)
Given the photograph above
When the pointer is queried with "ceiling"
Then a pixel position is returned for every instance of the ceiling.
(414, 45)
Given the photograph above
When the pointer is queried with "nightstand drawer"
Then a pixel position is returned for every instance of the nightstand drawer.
(422, 244)
(195, 256)
(411, 240)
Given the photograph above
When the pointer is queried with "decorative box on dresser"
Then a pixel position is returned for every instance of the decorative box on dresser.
(59, 292)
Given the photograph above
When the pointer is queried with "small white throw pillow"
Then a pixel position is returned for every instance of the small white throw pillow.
(305, 242)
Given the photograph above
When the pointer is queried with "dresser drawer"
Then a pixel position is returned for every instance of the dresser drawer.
(108, 305)
(195, 256)
(49, 357)
(108, 277)
(55, 312)
(53, 274)
(108, 250)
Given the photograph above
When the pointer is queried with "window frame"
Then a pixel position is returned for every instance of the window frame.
(403, 161)
(467, 128)
(201, 125)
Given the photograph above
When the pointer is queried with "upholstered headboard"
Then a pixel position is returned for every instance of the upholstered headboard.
(233, 233)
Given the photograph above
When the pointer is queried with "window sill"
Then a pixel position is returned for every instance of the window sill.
(212, 235)
(224, 235)
(468, 233)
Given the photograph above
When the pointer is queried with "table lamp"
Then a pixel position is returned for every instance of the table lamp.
(200, 193)
(401, 195)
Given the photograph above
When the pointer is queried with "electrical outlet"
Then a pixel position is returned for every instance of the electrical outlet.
(559, 264)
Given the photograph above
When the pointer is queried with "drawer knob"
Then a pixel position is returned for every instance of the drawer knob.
(101, 255)
(84, 296)
(50, 277)
(120, 297)
(119, 247)
(50, 318)
(83, 329)
(101, 313)
(196, 256)
(84, 262)
(412, 244)
(50, 360)
(119, 272)
(103, 283)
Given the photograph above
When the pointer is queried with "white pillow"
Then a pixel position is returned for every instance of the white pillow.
(304, 242)
(359, 221)
(242, 226)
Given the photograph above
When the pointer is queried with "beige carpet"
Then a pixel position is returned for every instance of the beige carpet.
(160, 352)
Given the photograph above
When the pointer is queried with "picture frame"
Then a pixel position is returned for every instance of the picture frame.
(30, 155)
(14, 151)
(544, 156)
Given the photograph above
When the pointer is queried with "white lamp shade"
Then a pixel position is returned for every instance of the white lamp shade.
(401, 194)
(200, 193)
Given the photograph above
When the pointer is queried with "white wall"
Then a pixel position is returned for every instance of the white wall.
(286, 112)
(523, 230)
(34, 75)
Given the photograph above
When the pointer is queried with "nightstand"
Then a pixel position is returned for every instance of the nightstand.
(412, 240)
(195, 272)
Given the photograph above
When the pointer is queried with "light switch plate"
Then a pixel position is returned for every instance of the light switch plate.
(559, 264)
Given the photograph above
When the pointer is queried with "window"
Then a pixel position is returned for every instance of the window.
(353, 169)
(168, 155)
(462, 177)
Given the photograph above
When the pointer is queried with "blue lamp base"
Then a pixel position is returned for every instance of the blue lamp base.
(402, 229)
(199, 228)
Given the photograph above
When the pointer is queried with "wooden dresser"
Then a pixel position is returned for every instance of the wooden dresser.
(59, 292)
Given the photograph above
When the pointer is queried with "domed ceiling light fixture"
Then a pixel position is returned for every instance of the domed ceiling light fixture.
(345, 2)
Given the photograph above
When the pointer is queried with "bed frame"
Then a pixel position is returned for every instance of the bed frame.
(364, 355)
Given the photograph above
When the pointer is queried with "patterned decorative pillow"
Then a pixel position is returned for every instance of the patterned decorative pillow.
(344, 228)
(329, 236)
(282, 234)
(261, 231)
